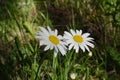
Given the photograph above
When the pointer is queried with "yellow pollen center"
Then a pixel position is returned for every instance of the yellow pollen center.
(54, 39)
(78, 38)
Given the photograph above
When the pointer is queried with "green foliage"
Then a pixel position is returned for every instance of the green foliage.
(113, 63)
(114, 54)
(21, 58)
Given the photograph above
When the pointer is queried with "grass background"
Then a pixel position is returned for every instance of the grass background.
(21, 58)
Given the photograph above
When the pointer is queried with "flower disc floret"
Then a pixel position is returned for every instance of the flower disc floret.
(54, 39)
(78, 38)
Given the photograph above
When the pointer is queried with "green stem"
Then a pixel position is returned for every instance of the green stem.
(37, 72)
(54, 67)
(87, 73)
(68, 64)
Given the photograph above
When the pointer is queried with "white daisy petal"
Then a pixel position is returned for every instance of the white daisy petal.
(42, 42)
(60, 37)
(67, 34)
(77, 48)
(82, 47)
(63, 43)
(71, 46)
(47, 47)
(49, 30)
(89, 39)
(61, 49)
(67, 38)
(72, 31)
(40, 33)
(85, 35)
(56, 32)
(43, 37)
(87, 48)
(69, 41)
(90, 44)
(77, 32)
(55, 53)
(44, 30)
(56, 49)
(80, 32)
(51, 47)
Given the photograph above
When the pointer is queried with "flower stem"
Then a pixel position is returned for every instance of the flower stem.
(54, 67)
(37, 72)
(68, 64)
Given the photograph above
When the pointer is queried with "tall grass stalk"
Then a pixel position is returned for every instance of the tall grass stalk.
(68, 63)
(55, 65)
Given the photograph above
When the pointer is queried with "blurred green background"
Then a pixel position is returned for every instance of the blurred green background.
(20, 55)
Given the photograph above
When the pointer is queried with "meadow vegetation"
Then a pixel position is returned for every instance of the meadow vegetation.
(21, 57)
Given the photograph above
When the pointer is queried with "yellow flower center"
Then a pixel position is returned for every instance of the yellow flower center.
(78, 38)
(54, 39)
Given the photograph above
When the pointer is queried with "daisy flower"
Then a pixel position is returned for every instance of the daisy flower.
(52, 40)
(76, 40)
